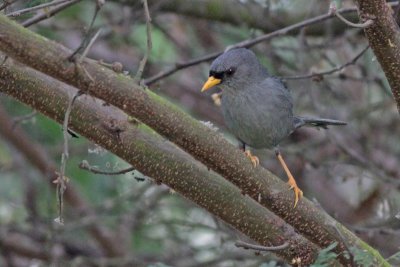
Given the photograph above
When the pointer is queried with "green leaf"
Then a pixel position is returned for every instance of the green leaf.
(362, 257)
(326, 256)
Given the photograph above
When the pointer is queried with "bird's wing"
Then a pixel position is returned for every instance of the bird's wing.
(276, 94)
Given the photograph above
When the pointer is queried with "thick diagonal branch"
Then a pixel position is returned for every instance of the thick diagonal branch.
(203, 143)
(157, 158)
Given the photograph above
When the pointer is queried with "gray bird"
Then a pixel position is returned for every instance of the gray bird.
(257, 107)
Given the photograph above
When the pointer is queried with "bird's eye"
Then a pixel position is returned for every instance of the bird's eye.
(230, 71)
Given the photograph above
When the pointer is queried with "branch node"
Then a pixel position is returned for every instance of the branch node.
(84, 165)
(333, 11)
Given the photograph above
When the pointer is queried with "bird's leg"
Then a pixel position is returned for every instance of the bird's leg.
(248, 154)
(292, 182)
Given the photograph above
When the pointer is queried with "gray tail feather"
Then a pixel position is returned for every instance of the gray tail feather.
(315, 122)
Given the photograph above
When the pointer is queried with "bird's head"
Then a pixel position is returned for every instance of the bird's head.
(235, 69)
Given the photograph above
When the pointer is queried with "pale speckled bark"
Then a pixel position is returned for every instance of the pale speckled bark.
(157, 158)
(384, 37)
(204, 144)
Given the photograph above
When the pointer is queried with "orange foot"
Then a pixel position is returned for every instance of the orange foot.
(253, 159)
(292, 182)
(297, 191)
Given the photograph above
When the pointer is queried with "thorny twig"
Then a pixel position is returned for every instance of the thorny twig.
(143, 62)
(85, 166)
(61, 180)
(328, 72)
(241, 244)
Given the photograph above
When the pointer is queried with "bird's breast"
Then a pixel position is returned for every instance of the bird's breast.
(259, 120)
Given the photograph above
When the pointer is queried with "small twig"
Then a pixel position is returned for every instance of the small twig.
(241, 244)
(355, 25)
(23, 118)
(246, 43)
(31, 9)
(333, 10)
(379, 175)
(328, 72)
(61, 180)
(45, 15)
(143, 62)
(90, 44)
(85, 40)
(85, 166)
(6, 3)
(78, 61)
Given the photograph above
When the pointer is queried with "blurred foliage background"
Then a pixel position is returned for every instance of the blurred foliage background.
(352, 171)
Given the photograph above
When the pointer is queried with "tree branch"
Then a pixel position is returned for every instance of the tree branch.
(328, 72)
(203, 143)
(34, 8)
(241, 244)
(85, 166)
(384, 38)
(246, 43)
(159, 159)
(62, 180)
(48, 13)
(248, 13)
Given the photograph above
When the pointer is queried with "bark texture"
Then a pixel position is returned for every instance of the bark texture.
(384, 37)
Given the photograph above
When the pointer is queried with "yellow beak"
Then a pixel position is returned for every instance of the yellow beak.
(212, 81)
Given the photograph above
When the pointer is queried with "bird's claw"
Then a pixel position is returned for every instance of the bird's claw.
(297, 191)
(254, 160)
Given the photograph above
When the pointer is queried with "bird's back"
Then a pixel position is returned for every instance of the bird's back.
(260, 115)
